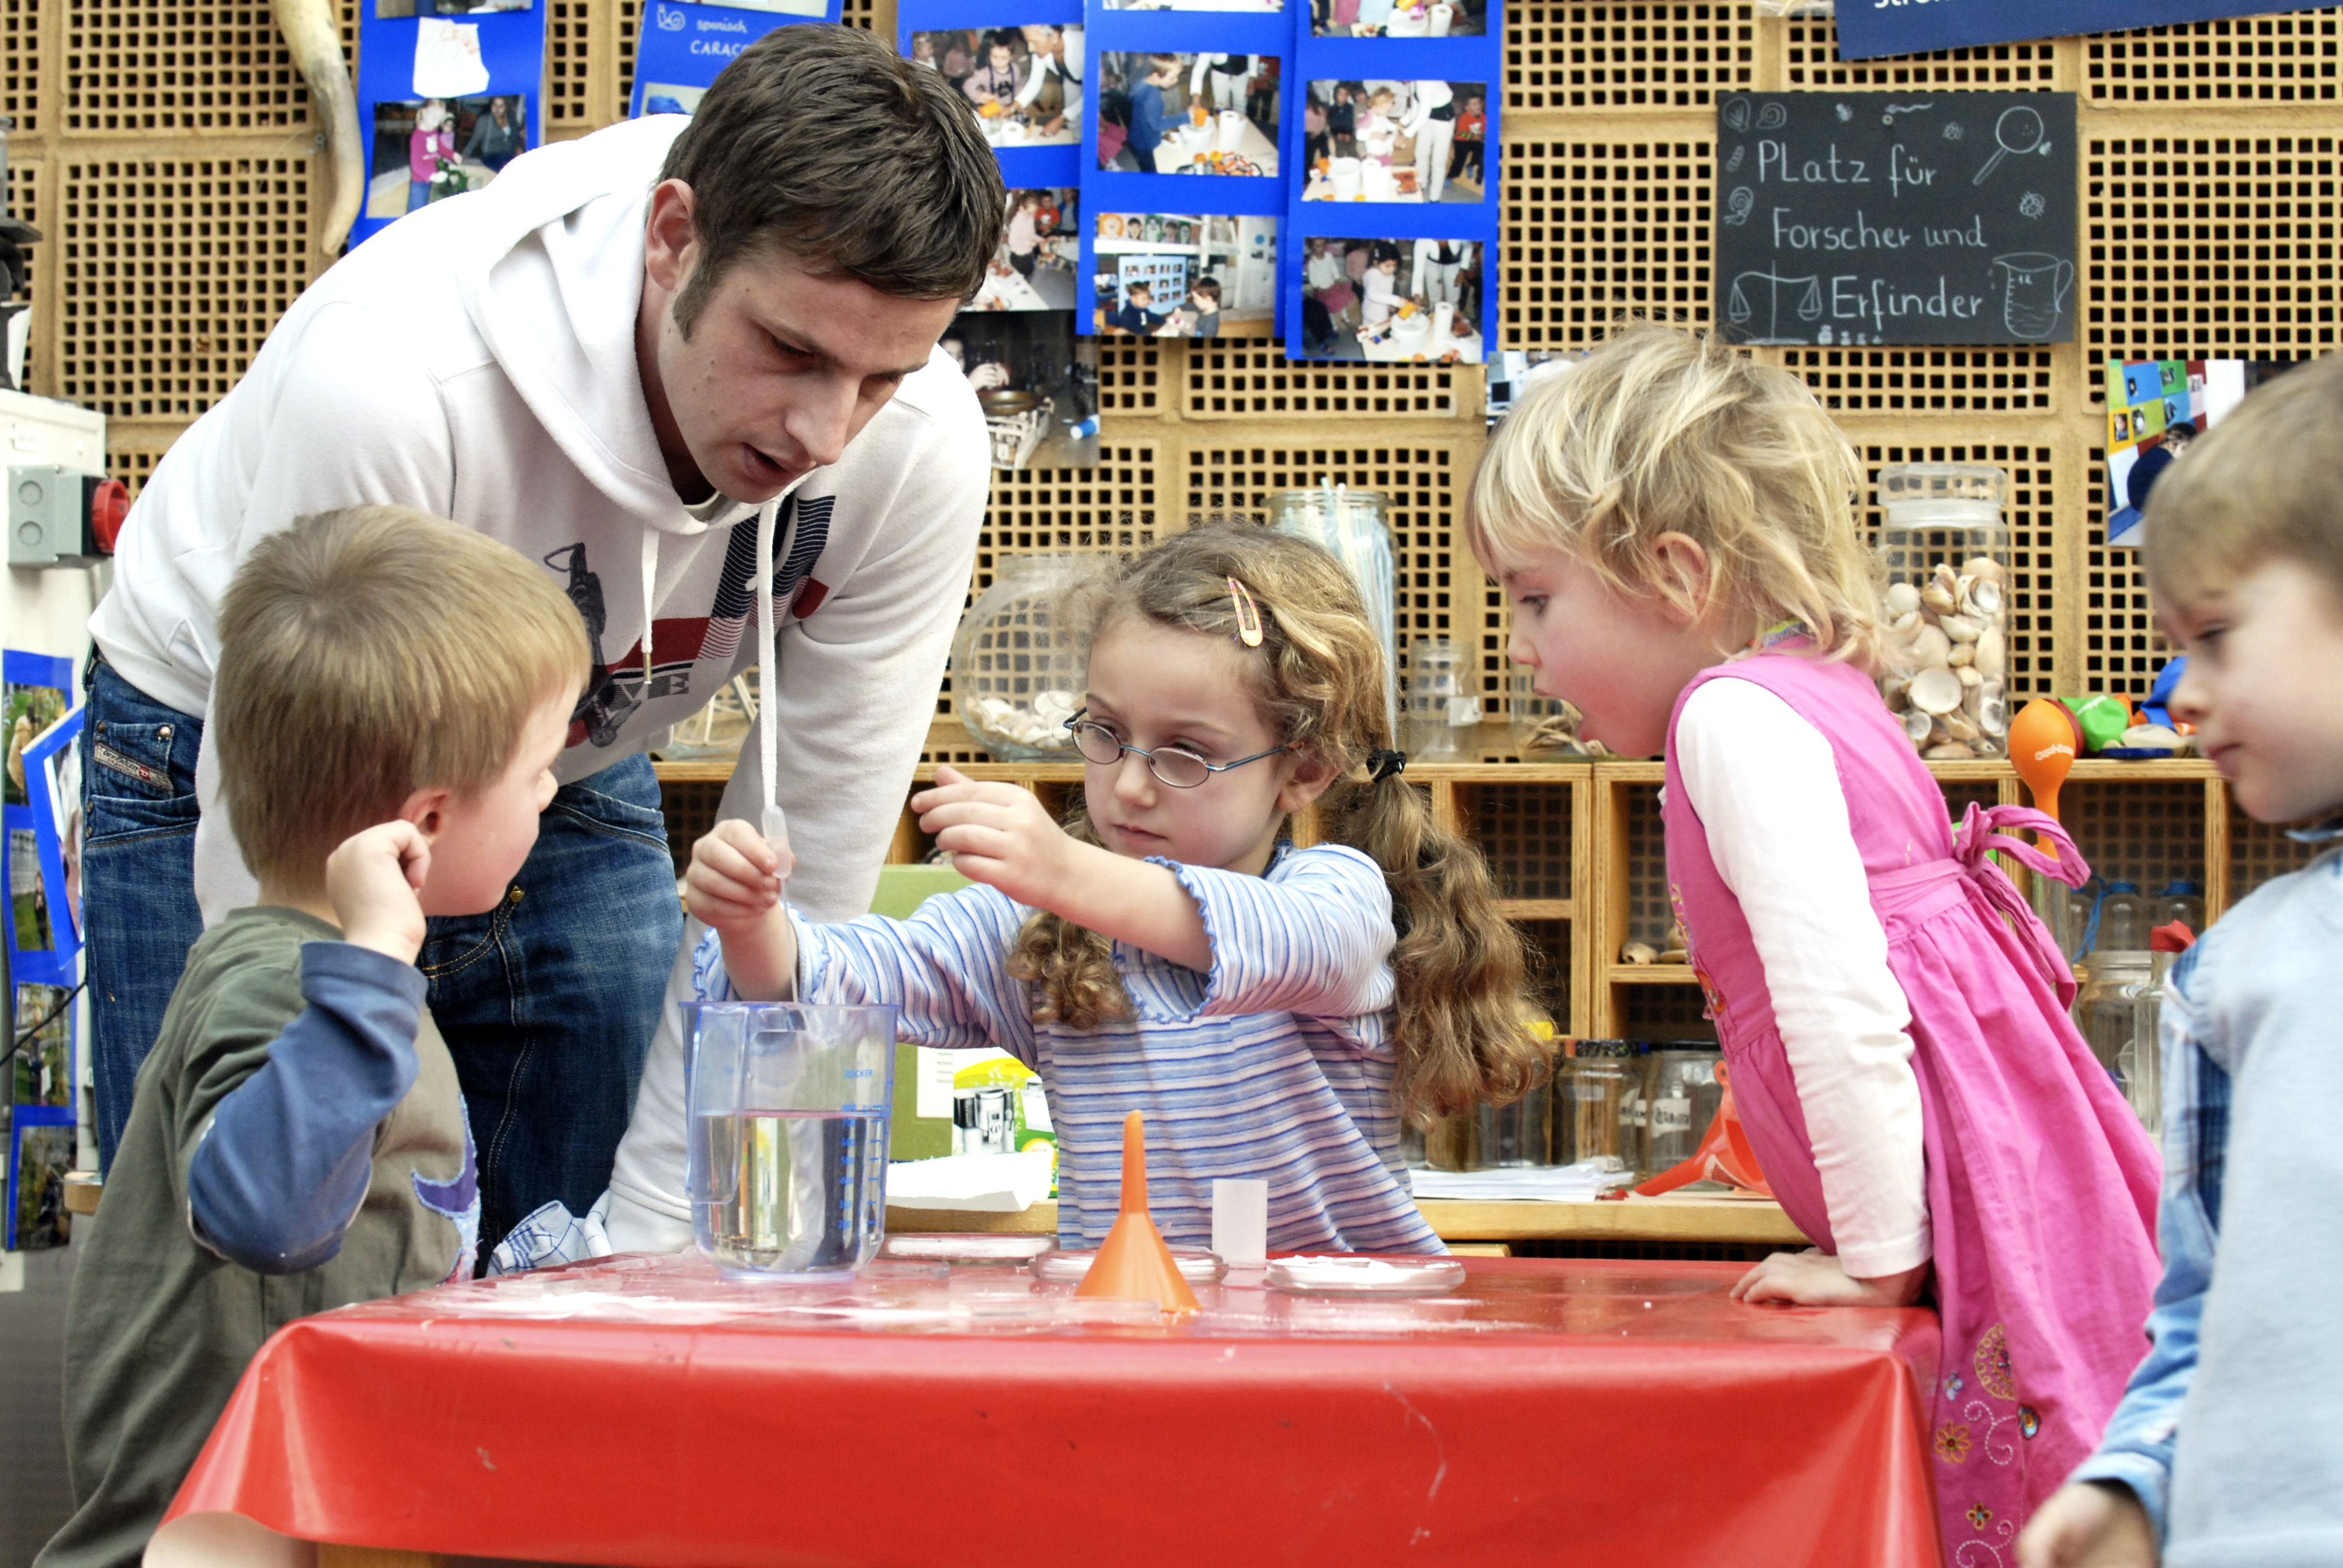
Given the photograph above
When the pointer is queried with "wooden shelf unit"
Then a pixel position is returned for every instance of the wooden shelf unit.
(1584, 839)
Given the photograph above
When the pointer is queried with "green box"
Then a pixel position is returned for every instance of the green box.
(910, 1136)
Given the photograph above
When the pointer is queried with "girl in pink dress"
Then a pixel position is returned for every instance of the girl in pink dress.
(1673, 527)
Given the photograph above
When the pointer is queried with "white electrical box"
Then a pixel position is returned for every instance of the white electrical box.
(48, 442)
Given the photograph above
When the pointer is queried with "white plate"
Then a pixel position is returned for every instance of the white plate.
(1355, 1276)
(1059, 1267)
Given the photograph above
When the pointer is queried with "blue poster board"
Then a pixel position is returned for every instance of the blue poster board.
(1198, 139)
(685, 45)
(44, 944)
(1392, 260)
(1868, 29)
(429, 72)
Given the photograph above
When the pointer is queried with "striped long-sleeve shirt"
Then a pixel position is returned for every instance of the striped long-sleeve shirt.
(1274, 1066)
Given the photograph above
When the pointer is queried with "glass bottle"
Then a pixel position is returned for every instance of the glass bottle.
(1018, 668)
(2179, 900)
(1944, 548)
(1353, 526)
(2121, 922)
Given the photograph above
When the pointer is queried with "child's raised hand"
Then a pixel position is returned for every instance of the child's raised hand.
(998, 834)
(1814, 1279)
(2088, 1525)
(735, 880)
(372, 879)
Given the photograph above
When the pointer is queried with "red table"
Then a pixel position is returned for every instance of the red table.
(642, 1410)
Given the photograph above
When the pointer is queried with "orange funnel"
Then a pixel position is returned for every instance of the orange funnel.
(2043, 738)
(1134, 1264)
(1724, 1154)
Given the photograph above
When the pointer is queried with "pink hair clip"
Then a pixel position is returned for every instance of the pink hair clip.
(1248, 614)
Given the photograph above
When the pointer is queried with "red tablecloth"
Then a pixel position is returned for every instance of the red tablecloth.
(643, 1412)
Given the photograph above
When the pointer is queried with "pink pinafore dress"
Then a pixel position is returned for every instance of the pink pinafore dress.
(2041, 1183)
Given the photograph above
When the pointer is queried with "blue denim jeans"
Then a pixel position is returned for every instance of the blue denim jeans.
(547, 1002)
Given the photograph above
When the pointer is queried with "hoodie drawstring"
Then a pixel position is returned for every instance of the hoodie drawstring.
(650, 583)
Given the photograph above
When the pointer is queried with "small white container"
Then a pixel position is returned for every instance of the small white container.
(1344, 173)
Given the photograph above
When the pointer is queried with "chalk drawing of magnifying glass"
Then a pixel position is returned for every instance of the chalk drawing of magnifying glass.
(2019, 130)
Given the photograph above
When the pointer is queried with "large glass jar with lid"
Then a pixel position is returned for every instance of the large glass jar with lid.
(1018, 666)
(1943, 545)
(1354, 527)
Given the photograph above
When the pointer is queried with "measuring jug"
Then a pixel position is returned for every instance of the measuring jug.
(788, 1162)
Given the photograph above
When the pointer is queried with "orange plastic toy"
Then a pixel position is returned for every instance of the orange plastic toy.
(1134, 1264)
(1723, 1155)
(2043, 740)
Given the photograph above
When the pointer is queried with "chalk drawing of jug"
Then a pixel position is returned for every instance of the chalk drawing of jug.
(2034, 289)
(1773, 290)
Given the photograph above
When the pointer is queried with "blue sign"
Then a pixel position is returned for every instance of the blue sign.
(685, 45)
(1868, 29)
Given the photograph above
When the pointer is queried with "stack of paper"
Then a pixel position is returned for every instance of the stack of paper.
(986, 1184)
(1579, 1184)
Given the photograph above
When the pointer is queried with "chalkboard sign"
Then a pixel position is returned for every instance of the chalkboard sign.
(1856, 219)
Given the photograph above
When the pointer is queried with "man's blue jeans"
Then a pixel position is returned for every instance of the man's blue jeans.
(547, 1002)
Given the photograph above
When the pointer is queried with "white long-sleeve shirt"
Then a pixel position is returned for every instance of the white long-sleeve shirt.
(1429, 95)
(1068, 71)
(1763, 784)
(477, 361)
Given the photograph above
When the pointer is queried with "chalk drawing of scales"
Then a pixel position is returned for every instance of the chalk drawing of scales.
(1771, 307)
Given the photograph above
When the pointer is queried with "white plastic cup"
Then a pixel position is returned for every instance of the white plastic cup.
(1241, 1223)
(1344, 173)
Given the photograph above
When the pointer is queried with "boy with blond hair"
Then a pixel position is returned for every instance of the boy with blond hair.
(392, 693)
(2223, 1450)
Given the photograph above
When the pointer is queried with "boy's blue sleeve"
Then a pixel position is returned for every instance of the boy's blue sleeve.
(2137, 1448)
(279, 1173)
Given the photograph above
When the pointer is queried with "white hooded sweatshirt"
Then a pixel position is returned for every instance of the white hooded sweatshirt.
(476, 360)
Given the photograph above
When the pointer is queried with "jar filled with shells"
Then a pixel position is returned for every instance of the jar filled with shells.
(1944, 548)
(1018, 665)
(1545, 729)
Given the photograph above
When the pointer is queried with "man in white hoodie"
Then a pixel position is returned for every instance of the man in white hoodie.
(636, 357)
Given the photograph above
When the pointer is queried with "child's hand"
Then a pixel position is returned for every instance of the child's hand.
(1812, 1279)
(735, 880)
(734, 885)
(371, 879)
(998, 834)
(2088, 1525)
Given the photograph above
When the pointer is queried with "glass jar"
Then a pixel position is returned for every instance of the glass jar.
(2119, 1009)
(2119, 922)
(1684, 1099)
(1598, 1104)
(2179, 900)
(1444, 704)
(1545, 729)
(1352, 525)
(1514, 1134)
(1944, 548)
(1018, 667)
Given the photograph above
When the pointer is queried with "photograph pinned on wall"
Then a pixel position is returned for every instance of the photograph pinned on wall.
(1204, 114)
(1024, 83)
(671, 98)
(1262, 7)
(428, 150)
(1036, 382)
(1391, 301)
(1395, 141)
(39, 1156)
(44, 1068)
(395, 10)
(25, 714)
(1399, 18)
(1033, 269)
(1183, 275)
(28, 895)
(2156, 410)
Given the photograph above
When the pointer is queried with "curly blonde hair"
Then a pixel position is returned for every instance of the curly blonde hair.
(1661, 430)
(1318, 681)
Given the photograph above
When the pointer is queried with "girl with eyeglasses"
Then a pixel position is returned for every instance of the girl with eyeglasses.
(1273, 1010)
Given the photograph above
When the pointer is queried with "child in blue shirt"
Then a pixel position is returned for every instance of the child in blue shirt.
(2225, 1450)
(297, 1140)
(1273, 1010)
(1137, 316)
(1149, 117)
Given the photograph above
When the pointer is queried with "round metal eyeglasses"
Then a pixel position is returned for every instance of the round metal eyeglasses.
(1174, 765)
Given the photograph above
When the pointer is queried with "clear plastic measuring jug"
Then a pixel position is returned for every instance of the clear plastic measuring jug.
(788, 1162)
